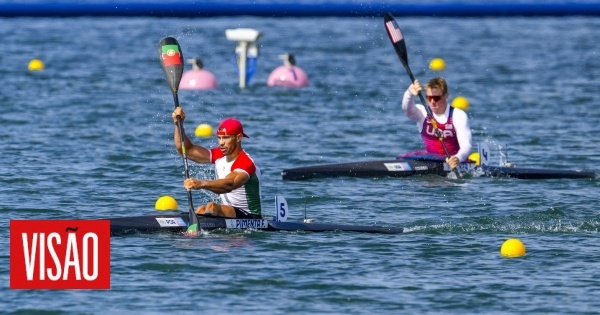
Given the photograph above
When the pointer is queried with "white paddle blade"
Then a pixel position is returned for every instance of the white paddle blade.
(451, 175)
(484, 154)
(281, 208)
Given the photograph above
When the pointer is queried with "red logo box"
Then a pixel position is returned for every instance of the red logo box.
(60, 254)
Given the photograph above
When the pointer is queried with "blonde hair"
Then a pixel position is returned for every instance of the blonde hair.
(438, 83)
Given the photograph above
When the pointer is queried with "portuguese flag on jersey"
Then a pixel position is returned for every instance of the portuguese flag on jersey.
(171, 55)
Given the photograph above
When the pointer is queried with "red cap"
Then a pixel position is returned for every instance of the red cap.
(230, 127)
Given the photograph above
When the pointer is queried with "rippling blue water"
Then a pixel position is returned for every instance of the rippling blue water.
(90, 136)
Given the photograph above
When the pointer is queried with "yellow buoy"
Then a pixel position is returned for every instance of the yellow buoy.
(166, 203)
(35, 65)
(512, 247)
(204, 130)
(475, 158)
(437, 64)
(460, 103)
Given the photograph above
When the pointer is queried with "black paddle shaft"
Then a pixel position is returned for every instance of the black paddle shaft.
(397, 38)
(171, 60)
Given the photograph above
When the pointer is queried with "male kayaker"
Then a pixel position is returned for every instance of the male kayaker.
(237, 177)
(452, 122)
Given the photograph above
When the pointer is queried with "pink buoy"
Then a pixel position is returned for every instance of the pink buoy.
(198, 78)
(288, 75)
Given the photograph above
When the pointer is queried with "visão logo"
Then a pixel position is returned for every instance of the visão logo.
(60, 254)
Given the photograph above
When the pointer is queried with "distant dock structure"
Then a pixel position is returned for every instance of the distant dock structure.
(297, 9)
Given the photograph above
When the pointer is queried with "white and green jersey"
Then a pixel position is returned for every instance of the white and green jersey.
(248, 196)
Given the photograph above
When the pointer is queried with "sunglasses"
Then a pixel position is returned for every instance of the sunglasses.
(436, 98)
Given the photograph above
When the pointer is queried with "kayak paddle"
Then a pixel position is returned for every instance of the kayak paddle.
(395, 34)
(171, 61)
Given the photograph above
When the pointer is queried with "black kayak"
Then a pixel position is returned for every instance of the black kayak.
(178, 223)
(405, 167)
